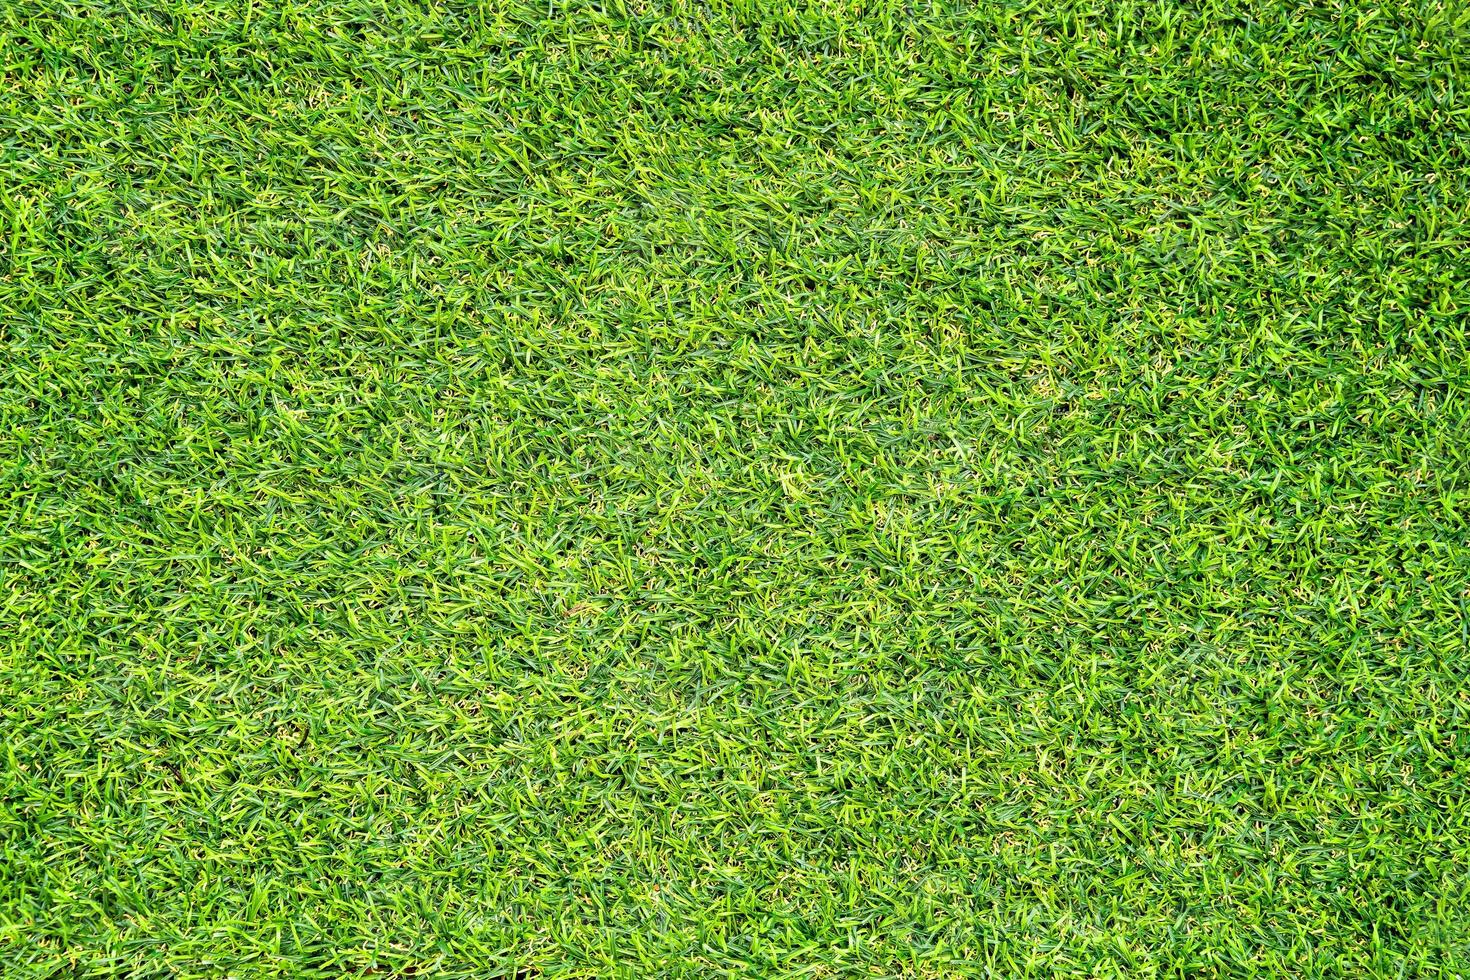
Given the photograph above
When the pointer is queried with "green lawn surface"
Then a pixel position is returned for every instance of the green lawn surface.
(825, 488)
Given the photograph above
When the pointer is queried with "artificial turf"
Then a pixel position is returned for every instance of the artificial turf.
(740, 488)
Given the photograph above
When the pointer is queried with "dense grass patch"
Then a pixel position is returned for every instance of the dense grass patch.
(734, 489)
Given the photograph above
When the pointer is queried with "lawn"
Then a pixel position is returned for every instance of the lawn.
(734, 489)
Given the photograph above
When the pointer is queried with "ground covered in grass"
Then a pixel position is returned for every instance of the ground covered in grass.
(734, 489)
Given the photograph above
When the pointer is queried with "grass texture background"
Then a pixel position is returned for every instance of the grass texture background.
(778, 489)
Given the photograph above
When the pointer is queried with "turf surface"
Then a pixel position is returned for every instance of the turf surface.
(734, 489)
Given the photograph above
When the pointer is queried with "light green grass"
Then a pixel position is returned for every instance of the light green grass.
(827, 489)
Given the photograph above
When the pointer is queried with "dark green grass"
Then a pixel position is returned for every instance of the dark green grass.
(734, 489)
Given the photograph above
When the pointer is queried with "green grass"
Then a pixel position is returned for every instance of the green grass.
(829, 489)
